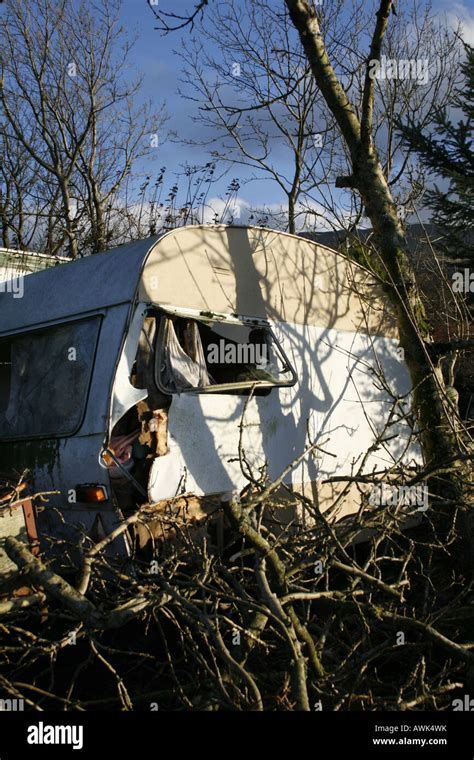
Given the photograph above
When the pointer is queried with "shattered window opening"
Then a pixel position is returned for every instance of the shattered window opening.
(219, 356)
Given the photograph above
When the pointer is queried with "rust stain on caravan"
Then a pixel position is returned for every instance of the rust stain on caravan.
(17, 456)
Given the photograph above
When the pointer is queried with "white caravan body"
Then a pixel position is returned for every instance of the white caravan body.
(82, 324)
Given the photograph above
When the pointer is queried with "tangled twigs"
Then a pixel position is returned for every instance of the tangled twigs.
(60, 590)
(287, 616)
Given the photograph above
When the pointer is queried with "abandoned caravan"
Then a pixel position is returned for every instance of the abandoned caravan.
(186, 364)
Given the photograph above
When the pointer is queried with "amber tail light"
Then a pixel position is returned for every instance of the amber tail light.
(91, 493)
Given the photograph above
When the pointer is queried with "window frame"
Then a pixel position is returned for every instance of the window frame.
(222, 388)
(37, 330)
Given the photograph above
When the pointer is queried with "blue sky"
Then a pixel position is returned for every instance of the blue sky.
(154, 57)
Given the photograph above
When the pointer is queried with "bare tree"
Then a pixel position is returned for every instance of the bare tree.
(263, 109)
(69, 109)
(356, 126)
(259, 100)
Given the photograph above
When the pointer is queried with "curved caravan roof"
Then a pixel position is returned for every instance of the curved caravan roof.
(218, 269)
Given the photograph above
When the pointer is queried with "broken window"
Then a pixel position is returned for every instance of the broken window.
(44, 379)
(211, 355)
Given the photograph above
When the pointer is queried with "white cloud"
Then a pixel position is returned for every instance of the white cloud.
(458, 12)
(310, 215)
(237, 208)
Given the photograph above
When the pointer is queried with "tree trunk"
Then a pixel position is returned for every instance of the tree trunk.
(5, 223)
(439, 440)
(291, 214)
(69, 226)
